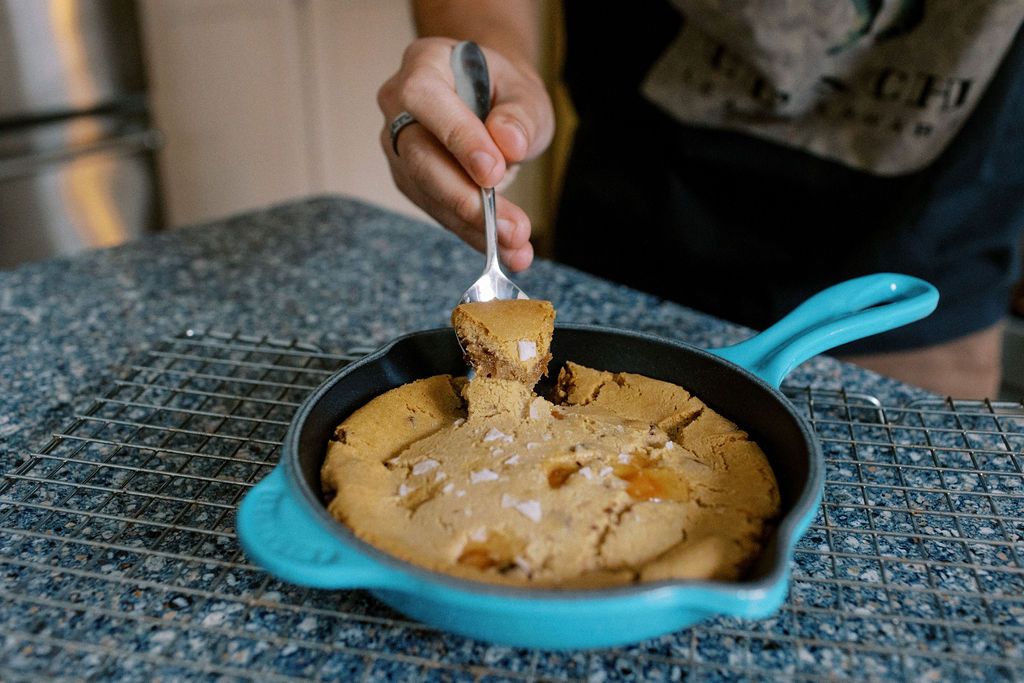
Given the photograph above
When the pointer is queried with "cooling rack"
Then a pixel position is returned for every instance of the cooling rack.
(118, 557)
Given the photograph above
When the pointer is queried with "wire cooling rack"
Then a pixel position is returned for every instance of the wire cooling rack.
(118, 557)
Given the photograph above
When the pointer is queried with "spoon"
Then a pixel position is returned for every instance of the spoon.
(473, 85)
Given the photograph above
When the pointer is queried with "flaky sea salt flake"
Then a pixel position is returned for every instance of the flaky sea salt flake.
(482, 475)
(529, 509)
(493, 434)
(514, 460)
(424, 466)
(539, 408)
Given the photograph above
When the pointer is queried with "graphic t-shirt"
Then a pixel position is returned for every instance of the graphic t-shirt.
(790, 149)
(879, 85)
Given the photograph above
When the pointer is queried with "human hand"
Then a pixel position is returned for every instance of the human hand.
(449, 153)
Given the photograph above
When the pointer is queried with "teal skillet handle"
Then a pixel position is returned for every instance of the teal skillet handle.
(285, 540)
(842, 313)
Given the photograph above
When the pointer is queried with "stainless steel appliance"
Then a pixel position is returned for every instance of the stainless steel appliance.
(76, 147)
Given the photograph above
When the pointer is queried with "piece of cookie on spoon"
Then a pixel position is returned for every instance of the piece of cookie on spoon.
(506, 338)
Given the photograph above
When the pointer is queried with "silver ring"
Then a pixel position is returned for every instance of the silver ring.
(397, 124)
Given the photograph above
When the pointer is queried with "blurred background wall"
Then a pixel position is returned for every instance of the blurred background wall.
(266, 100)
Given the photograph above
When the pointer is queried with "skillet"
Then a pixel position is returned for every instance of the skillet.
(284, 527)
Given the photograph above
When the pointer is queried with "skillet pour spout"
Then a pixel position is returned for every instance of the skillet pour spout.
(285, 528)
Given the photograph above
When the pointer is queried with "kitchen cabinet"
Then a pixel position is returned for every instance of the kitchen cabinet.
(227, 92)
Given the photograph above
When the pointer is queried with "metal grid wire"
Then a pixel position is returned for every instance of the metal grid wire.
(118, 557)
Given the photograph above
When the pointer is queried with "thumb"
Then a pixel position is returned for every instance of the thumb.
(522, 123)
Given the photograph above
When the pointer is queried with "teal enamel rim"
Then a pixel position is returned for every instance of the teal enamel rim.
(320, 551)
(357, 564)
(845, 312)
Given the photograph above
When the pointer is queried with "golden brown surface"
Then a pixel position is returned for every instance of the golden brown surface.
(506, 339)
(624, 478)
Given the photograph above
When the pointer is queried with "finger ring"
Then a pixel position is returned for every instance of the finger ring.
(397, 124)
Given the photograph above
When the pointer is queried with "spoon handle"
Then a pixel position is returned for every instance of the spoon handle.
(473, 85)
(472, 79)
(490, 227)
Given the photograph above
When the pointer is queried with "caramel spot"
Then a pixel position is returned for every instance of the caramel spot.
(478, 557)
(496, 551)
(653, 483)
(558, 475)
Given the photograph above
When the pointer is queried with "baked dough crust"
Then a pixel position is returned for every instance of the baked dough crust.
(619, 478)
(507, 339)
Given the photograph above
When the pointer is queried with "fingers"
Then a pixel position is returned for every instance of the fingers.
(518, 259)
(449, 153)
(510, 135)
(427, 92)
(518, 135)
(439, 109)
(522, 120)
(434, 181)
(519, 127)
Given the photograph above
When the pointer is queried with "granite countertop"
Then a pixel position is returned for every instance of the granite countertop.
(329, 270)
(107, 587)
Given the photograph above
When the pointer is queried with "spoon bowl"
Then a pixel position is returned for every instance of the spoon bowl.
(492, 283)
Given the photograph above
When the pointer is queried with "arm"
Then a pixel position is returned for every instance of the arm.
(450, 152)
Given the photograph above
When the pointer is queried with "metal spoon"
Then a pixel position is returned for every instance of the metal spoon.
(473, 84)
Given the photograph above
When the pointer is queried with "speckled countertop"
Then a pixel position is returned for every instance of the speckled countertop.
(329, 270)
(911, 570)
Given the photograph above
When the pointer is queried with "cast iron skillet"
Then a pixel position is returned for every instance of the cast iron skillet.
(284, 526)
